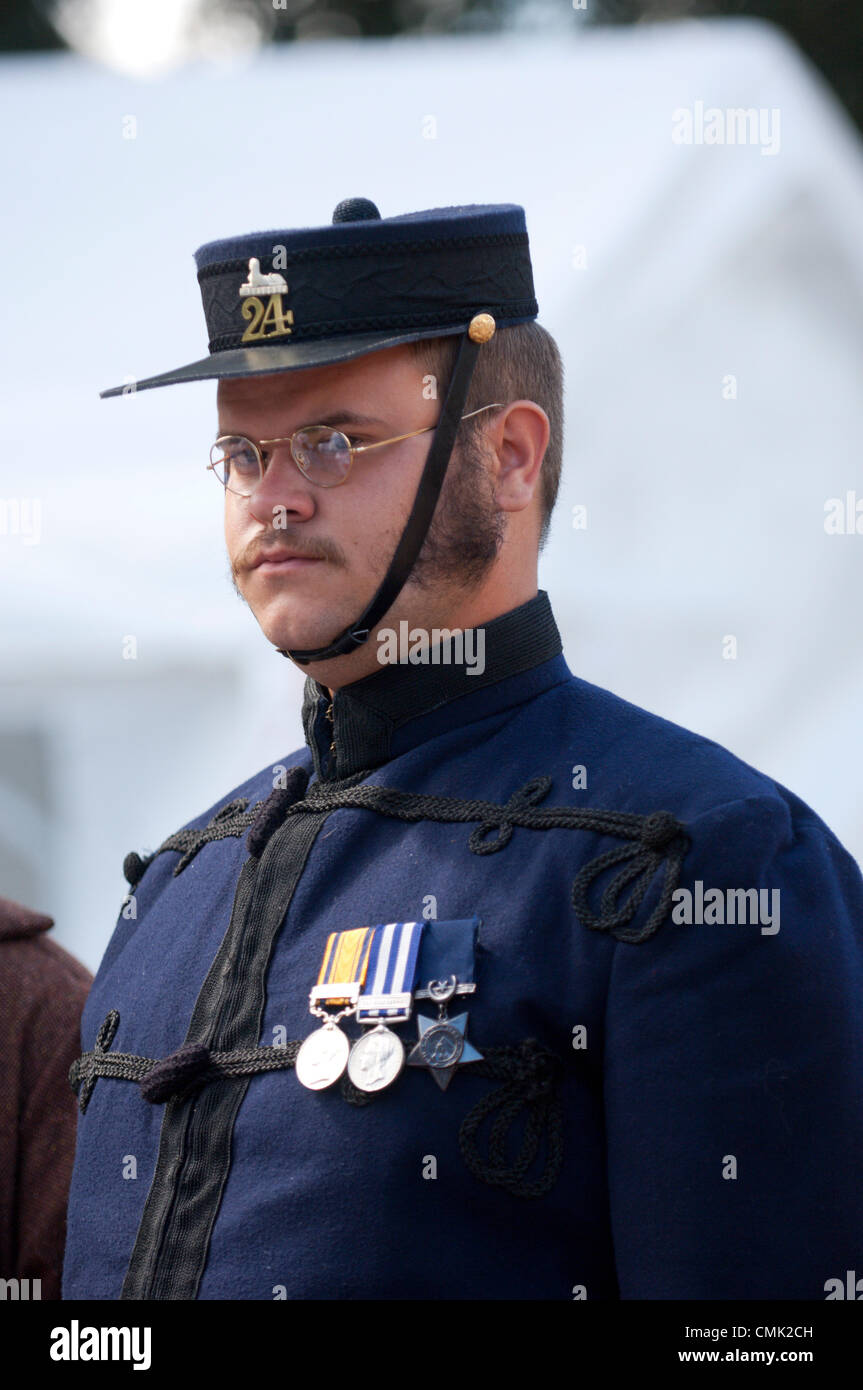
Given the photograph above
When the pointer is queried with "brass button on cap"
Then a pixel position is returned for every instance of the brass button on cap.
(481, 328)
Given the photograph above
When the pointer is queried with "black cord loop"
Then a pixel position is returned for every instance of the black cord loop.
(657, 838)
(530, 1075)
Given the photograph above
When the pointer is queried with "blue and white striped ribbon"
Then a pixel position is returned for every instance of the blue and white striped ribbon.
(391, 972)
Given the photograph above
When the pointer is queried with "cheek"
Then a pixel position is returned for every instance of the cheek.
(232, 524)
(385, 494)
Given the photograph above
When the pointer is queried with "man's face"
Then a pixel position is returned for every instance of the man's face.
(343, 538)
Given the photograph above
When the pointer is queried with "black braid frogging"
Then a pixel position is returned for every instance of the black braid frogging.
(658, 837)
(190, 1067)
(530, 1074)
(230, 819)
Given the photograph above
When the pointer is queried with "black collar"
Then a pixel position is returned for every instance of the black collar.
(367, 714)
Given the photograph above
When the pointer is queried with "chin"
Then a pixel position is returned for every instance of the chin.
(291, 626)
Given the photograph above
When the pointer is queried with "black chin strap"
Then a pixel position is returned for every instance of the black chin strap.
(428, 491)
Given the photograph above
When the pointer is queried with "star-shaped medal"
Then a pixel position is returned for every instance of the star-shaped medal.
(442, 1047)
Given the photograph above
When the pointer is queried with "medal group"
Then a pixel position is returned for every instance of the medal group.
(374, 974)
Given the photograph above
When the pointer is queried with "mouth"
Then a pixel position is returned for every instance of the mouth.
(278, 562)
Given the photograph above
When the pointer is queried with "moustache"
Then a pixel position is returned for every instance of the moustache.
(277, 542)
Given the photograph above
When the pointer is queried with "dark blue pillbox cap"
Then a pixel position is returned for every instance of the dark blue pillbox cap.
(278, 301)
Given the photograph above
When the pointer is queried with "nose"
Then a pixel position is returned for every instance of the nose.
(282, 489)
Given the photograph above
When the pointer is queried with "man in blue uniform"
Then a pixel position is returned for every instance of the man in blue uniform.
(501, 987)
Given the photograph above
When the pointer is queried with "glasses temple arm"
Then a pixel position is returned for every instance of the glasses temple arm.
(361, 448)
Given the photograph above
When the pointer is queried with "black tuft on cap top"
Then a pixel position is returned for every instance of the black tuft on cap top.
(355, 210)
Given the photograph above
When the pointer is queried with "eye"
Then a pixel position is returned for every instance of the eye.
(241, 459)
(234, 457)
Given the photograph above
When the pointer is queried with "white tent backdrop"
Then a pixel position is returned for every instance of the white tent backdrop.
(663, 269)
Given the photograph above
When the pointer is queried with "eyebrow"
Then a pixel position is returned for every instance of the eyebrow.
(334, 418)
(350, 417)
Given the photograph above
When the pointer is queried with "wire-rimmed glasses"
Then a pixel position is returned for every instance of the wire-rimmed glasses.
(323, 455)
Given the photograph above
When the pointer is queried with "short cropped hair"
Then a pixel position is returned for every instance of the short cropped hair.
(522, 362)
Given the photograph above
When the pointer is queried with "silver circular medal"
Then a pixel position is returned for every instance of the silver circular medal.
(322, 1057)
(441, 1045)
(376, 1059)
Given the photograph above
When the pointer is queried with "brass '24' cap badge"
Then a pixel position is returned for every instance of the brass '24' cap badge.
(270, 320)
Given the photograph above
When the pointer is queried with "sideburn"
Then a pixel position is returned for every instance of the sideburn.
(468, 529)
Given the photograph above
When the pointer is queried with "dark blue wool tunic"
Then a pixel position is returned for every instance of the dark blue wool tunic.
(711, 1116)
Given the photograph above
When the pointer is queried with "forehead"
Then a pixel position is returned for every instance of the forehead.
(377, 377)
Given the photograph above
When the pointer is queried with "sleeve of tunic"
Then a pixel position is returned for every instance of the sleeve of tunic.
(733, 1070)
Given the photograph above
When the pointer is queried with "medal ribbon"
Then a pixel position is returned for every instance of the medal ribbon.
(343, 969)
(448, 948)
(391, 972)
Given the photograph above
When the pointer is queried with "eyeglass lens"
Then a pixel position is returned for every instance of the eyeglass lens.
(322, 454)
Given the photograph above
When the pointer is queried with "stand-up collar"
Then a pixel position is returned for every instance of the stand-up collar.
(373, 719)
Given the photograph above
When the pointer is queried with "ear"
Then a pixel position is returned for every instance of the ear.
(519, 437)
